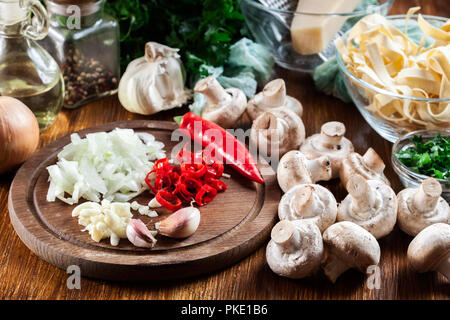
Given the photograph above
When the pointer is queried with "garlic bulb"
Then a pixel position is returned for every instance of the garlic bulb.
(154, 82)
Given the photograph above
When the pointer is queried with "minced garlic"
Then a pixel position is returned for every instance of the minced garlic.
(108, 220)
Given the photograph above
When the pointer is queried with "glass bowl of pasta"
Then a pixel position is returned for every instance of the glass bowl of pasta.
(397, 72)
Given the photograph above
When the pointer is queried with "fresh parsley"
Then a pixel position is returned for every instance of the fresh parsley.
(430, 158)
(203, 30)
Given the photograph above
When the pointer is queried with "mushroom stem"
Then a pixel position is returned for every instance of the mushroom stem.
(319, 168)
(427, 195)
(334, 267)
(444, 267)
(286, 236)
(305, 202)
(364, 197)
(268, 121)
(331, 134)
(273, 94)
(212, 90)
(373, 161)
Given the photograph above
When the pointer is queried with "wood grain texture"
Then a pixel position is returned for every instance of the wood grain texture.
(25, 276)
(228, 231)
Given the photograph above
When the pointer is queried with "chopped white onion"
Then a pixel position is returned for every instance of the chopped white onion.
(104, 165)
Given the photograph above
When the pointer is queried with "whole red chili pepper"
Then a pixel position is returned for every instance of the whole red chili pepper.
(228, 148)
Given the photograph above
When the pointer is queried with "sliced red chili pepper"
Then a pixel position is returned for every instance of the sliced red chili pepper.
(162, 164)
(170, 178)
(187, 193)
(148, 182)
(185, 156)
(216, 170)
(219, 168)
(205, 195)
(217, 184)
(168, 200)
(199, 157)
(196, 178)
(194, 170)
(188, 187)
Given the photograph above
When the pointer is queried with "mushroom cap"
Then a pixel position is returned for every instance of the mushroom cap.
(331, 143)
(278, 129)
(293, 105)
(292, 170)
(381, 219)
(430, 247)
(310, 202)
(273, 96)
(226, 115)
(411, 220)
(354, 164)
(352, 244)
(300, 260)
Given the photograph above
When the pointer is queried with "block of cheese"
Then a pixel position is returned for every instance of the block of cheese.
(311, 34)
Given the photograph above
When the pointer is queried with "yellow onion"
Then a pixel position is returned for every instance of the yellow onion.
(19, 133)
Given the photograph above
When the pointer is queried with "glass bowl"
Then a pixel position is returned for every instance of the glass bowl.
(270, 26)
(359, 91)
(412, 179)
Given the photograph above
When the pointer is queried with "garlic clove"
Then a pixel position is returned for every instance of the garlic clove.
(139, 235)
(181, 224)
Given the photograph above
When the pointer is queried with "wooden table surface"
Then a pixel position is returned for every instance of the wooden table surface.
(24, 276)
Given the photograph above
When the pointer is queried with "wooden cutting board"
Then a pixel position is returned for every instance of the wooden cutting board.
(232, 226)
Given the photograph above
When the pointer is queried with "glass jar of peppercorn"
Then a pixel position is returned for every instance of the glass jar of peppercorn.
(85, 43)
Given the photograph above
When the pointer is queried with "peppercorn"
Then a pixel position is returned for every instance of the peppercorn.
(85, 78)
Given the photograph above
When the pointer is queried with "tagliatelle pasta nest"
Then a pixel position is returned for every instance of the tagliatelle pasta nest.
(381, 55)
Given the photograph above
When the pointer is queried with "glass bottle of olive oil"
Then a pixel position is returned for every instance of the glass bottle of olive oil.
(27, 71)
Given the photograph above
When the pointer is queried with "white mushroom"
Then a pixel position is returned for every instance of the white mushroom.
(349, 246)
(370, 166)
(310, 202)
(329, 142)
(273, 96)
(224, 106)
(294, 169)
(371, 204)
(430, 250)
(277, 131)
(296, 249)
(420, 207)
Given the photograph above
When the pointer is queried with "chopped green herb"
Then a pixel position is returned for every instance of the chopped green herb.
(430, 158)
(203, 30)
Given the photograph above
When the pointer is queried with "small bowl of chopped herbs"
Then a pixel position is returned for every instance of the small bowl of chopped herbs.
(422, 154)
